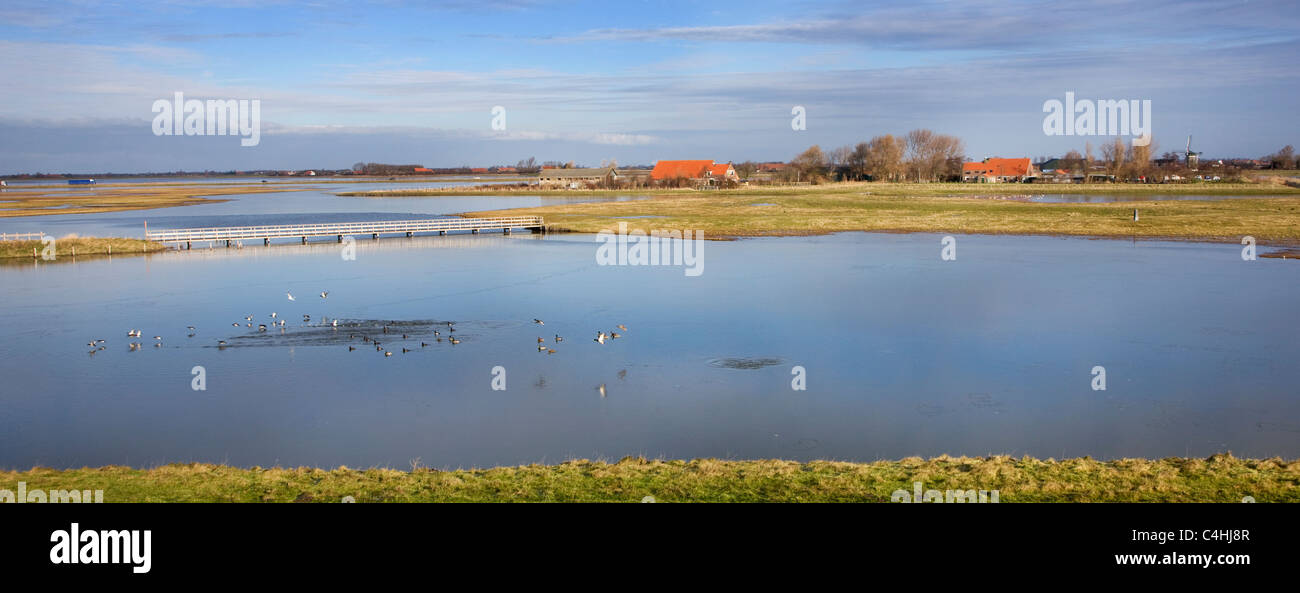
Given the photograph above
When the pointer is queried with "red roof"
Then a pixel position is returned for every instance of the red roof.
(999, 167)
(720, 170)
(675, 169)
(423, 170)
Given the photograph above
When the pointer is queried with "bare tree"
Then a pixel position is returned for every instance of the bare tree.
(884, 157)
(930, 156)
(811, 164)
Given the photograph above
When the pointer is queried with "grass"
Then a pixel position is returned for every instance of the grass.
(1221, 478)
(69, 246)
(886, 208)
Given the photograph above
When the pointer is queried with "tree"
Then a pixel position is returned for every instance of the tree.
(1284, 159)
(1072, 161)
(884, 157)
(745, 169)
(811, 164)
(930, 155)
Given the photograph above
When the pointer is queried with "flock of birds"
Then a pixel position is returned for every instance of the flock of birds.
(96, 345)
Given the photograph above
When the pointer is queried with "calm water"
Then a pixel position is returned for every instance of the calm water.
(1100, 198)
(317, 204)
(905, 354)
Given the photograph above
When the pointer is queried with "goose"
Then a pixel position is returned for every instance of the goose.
(221, 342)
(615, 335)
(540, 340)
(379, 348)
(261, 327)
(558, 338)
(249, 325)
(157, 337)
(272, 314)
(234, 325)
(388, 354)
(190, 327)
(423, 344)
(622, 327)
(436, 333)
(290, 295)
(135, 333)
(324, 294)
(541, 347)
(351, 348)
(405, 350)
(539, 322)
(248, 318)
(91, 344)
(600, 337)
(455, 341)
(100, 341)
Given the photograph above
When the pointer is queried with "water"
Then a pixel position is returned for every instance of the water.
(313, 205)
(905, 354)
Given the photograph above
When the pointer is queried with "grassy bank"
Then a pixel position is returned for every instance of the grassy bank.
(1221, 478)
(67, 247)
(1274, 220)
(879, 189)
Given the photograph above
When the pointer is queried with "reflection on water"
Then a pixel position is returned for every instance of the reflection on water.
(905, 354)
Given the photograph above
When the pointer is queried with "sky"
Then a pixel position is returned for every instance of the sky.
(341, 82)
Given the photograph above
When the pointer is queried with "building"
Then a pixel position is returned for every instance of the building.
(995, 170)
(576, 178)
(702, 172)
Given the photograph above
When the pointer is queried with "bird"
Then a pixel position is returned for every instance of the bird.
(135, 333)
(290, 295)
(600, 337)
(601, 389)
(221, 342)
(388, 354)
(157, 337)
(248, 318)
(550, 352)
(615, 335)
(261, 327)
(423, 344)
(539, 322)
(558, 338)
(190, 327)
(272, 314)
(541, 347)
(351, 348)
(403, 336)
(405, 350)
(235, 324)
(436, 333)
(335, 323)
(622, 327)
(455, 341)
(324, 294)
(379, 348)
(540, 340)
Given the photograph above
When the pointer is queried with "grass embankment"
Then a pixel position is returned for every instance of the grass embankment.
(810, 211)
(1221, 478)
(70, 246)
(89, 199)
(881, 189)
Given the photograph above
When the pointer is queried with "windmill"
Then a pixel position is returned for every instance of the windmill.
(1193, 158)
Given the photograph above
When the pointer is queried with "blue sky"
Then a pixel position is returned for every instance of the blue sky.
(341, 82)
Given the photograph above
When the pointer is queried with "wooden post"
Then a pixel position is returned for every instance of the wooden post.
(1135, 215)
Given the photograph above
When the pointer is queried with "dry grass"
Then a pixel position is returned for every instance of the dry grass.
(1221, 478)
(811, 211)
(72, 246)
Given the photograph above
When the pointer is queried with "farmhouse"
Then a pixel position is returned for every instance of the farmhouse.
(701, 172)
(576, 178)
(995, 170)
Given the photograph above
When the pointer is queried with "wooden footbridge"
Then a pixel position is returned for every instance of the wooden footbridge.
(345, 229)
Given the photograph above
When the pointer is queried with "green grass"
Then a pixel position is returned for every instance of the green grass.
(1221, 478)
(70, 246)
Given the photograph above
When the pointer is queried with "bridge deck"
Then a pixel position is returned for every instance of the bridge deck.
(344, 229)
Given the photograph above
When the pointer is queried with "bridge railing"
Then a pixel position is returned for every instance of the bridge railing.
(21, 236)
(343, 228)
